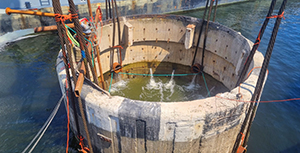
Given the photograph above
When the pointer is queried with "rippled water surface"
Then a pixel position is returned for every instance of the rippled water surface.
(29, 91)
(29, 87)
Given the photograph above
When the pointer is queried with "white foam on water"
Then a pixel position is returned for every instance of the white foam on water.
(119, 85)
(14, 36)
(162, 90)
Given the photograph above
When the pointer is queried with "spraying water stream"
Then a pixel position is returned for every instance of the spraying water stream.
(164, 89)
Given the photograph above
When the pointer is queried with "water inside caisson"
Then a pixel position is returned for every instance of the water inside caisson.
(166, 82)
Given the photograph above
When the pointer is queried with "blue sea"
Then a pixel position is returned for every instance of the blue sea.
(29, 88)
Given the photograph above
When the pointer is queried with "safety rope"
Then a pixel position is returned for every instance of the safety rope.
(81, 144)
(241, 149)
(215, 11)
(257, 41)
(42, 131)
(62, 18)
(277, 16)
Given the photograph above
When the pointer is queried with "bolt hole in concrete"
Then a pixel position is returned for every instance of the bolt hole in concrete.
(151, 86)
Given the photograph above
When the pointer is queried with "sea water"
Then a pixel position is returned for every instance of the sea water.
(29, 92)
(29, 88)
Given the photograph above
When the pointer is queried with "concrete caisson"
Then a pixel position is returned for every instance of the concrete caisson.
(204, 125)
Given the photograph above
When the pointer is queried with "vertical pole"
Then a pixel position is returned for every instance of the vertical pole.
(119, 31)
(98, 12)
(79, 32)
(113, 38)
(90, 8)
(118, 22)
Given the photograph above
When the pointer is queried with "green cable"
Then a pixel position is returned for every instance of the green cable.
(92, 50)
(71, 37)
(159, 74)
(110, 81)
(205, 84)
(77, 44)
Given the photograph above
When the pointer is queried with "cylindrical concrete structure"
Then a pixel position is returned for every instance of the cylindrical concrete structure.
(203, 125)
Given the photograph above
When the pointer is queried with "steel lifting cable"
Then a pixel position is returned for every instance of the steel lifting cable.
(60, 28)
(206, 32)
(245, 69)
(42, 131)
(118, 22)
(109, 9)
(260, 81)
(256, 44)
(215, 11)
(83, 47)
(106, 10)
(113, 37)
(204, 44)
(257, 92)
(79, 31)
(199, 36)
